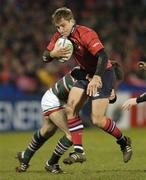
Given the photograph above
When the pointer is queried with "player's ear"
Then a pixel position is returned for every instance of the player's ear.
(72, 20)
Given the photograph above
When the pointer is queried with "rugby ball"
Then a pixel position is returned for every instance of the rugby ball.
(64, 42)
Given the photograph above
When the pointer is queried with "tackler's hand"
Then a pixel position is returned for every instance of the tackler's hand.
(94, 85)
(129, 103)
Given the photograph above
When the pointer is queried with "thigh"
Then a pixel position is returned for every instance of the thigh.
(76, 99)
(76, 96)
(108, 81)
(98, 110)
(48, 128)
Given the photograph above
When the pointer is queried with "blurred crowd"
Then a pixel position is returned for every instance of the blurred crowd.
(26, 28)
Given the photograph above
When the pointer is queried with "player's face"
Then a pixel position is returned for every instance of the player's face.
(64, 27)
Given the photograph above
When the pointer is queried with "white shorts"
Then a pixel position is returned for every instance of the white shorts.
(50, 103)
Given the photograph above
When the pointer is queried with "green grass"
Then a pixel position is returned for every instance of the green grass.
(104, 159)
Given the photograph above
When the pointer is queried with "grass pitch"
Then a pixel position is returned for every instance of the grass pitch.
(104, 159)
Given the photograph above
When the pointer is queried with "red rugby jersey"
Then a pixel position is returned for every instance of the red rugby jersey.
(86, 44)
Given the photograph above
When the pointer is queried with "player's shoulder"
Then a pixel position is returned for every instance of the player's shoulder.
(56, 35)
(81, 28)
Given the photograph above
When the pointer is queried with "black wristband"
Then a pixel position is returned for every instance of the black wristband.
(112, 101)
(141, 98)
(46, 56)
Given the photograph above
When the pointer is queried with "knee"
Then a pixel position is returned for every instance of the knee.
(98, 120)
(47, 132)
(50, 133)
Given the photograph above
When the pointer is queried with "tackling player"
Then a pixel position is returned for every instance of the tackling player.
(54, 117)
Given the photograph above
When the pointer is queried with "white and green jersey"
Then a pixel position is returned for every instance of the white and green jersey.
(55, 97)
(62, 87)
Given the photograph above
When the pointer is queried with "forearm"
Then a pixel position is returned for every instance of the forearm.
(102, 63)
(141, 98)
(46, 56)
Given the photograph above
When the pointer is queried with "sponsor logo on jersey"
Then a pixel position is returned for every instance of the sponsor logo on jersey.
(96, 95)
(96, 44)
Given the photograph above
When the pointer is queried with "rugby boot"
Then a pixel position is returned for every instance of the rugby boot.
(23, 166)
(126, 149)
(75, 157)
(55, 168)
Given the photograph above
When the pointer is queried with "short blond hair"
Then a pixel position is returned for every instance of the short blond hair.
(60, 13)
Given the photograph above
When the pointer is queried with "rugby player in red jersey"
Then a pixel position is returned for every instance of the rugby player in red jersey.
(90, 55)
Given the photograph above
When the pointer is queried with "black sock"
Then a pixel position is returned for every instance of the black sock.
(34, 145)
(122, 141)
(62, 146)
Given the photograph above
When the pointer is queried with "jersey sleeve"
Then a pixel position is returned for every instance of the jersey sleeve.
(92, 42)
(53, 41)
